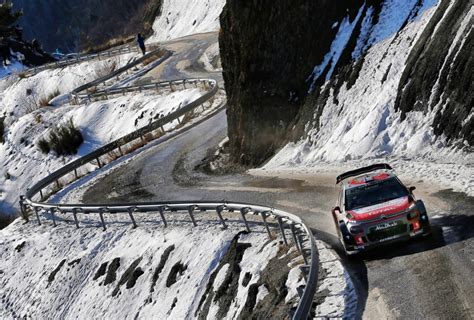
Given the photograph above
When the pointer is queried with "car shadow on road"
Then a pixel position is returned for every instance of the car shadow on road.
(447, 229)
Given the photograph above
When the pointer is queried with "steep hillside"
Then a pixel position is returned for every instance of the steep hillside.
(77, 24)
(146, 273)
(180, 18)
(365, 92)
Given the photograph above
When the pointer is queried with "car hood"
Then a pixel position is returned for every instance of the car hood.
(380, 209)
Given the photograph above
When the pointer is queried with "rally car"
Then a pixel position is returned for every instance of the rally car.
(375, 208)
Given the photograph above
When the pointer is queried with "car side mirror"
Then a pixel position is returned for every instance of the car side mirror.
(336, 208)
(412, 188)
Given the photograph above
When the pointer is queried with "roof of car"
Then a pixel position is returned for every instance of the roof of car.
(367, 178)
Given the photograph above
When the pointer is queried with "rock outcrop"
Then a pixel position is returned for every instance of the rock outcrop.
(268, 49)
(285, 63)
(439, 72)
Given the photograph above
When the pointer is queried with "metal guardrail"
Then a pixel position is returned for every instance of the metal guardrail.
(77, 97)
(302, 236)
(80, 58)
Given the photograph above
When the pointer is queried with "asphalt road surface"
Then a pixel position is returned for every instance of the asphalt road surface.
(430, 278)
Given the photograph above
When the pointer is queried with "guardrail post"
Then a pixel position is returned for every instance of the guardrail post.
(101, 214)
(243, 212)
(264, 218)
(120, 150)
(184, 83)
(98, 162)
(295, 239)
(51, 210)
(305, 270)
(75, 173)
(161, 210)
(74, 214)
(41, 195)
(302, 250)
(37, 215)
(23, 209)
(57, 184)
(282, 229)
(219, 210)
(191, 211)
(130, 213)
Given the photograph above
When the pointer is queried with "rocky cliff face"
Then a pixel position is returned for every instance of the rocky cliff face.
(268, 49)
(366, 66)
(439, 72)
(77, 24)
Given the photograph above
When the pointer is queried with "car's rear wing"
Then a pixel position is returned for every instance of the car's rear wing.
(378, 166)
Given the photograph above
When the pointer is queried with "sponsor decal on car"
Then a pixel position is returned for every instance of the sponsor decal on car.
(389, 207)
(386, 226)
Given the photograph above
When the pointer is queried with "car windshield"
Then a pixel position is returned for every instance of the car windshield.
(374, 193)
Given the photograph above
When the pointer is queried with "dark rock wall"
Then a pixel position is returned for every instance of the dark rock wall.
(434, 75)
(268, 50)
(77, 24)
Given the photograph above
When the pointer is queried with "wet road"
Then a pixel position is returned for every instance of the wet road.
(431, 278)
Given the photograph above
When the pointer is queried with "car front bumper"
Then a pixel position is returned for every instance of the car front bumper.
(376, 233)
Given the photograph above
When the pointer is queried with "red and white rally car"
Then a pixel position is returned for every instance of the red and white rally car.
(374, 208)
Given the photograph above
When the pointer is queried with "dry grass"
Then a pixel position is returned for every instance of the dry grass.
(106, 69)
(188, 116)
(112, 156)
(38, 118)
(109, 44)
(150, 59)
(44, 102)
(140, 142)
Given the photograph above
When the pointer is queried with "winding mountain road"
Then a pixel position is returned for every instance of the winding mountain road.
(431, 278)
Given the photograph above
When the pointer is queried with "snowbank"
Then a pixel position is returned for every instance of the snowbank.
(180, 18)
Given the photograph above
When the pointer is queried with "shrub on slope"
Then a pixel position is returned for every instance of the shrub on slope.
(63, 140)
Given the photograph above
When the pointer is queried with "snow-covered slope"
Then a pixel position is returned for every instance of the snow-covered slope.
(21, 162)
(358, 121)
(150, 272)
(184, 17)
